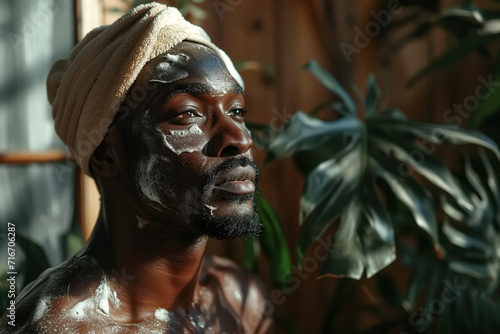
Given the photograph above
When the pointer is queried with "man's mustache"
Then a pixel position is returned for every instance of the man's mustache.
(227, 165)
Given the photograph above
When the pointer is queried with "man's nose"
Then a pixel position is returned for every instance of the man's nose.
(231, 138)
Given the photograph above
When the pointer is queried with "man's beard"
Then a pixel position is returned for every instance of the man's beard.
(230, 227)
(234, 226)
(189, 215)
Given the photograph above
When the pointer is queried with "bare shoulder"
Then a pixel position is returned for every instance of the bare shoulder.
(43, 300)
(243, 291)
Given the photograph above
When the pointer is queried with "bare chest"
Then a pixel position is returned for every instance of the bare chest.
(103, 313)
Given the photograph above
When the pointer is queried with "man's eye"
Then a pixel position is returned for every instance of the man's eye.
(238, 112)
(186, 114)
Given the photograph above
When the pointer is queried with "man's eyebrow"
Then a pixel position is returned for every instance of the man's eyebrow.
(198, 89)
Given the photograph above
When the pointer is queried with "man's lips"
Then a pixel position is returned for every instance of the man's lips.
(237, 181)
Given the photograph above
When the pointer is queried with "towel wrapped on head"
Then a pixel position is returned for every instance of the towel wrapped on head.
(87, 88)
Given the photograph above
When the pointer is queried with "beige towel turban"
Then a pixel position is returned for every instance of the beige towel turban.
(87, 89)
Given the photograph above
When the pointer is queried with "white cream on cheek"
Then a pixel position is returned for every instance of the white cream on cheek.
(247, 130)
(148, 167)
(192, 130)
(146, 182)
(151, 176)
(180, 141)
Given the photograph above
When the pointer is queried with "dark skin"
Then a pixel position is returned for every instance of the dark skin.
(174, 169)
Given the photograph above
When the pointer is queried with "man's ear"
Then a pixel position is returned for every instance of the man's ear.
(105, 161)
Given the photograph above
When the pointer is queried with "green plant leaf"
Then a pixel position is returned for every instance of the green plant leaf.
(36, 260)
(464, 240)
(490, 15)
(487, 107)
(416, 198)
(437, 134)
(346, 252)
(352, 168)
(465, 14)
(334, 189)
(466, 46)
(472, 233)
(376, 229)
(285, 323)
(484, 194)
(426, 165)
(492, 182)
(273, 243)
(334, 105)
(333, 181)
(420, 158)
(307, 161)
(303, 133)
(365, 238)
(328, 190)
(331, 84)
(372, 96)
(250, 254)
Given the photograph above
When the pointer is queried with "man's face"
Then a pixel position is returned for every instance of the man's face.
(188, 164)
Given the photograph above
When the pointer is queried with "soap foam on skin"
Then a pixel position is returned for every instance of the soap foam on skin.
(162, 314)
(147, 182)
(98, 302)
(93, 315)
(211, 208)
(170, 69)
(141, 222)
(41, 308)
(193, 129)
(247, 130)
(144, 178)
(172, 141)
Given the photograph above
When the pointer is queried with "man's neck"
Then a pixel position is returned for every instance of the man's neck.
(146, 271)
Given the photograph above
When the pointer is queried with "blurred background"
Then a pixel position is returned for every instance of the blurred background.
(427, 58)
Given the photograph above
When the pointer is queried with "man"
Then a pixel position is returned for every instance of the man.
(155, 113)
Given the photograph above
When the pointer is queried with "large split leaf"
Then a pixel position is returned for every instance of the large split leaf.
(343, 184)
